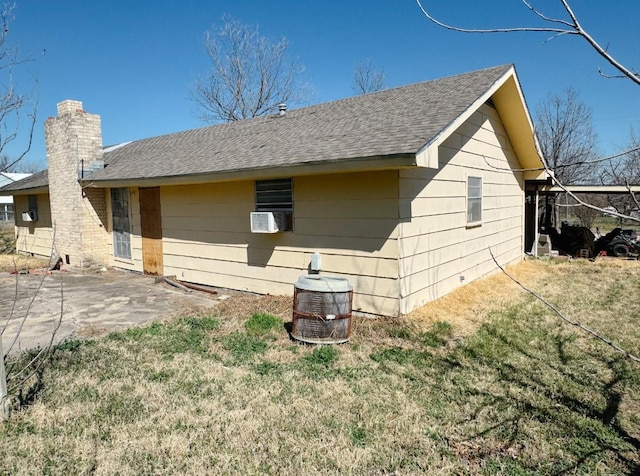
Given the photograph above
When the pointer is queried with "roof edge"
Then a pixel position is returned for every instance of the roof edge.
(390, 162)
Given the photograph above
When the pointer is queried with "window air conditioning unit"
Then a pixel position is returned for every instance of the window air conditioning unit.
(30, 216)
(265, 222)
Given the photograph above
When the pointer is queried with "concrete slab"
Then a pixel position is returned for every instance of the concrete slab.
(90, 304)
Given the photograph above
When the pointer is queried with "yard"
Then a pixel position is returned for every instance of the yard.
(484, 381)
(9, 260)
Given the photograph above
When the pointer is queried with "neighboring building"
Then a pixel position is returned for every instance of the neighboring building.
(6, 202)
(401, 191)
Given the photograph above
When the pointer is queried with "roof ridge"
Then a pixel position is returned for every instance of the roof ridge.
(301, 110)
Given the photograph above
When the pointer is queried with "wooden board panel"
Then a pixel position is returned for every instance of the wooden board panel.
(151, 230)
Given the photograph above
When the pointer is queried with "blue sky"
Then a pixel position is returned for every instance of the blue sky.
(133, 62)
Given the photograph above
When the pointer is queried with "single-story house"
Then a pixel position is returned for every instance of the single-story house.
(401, 191)
(6, 201)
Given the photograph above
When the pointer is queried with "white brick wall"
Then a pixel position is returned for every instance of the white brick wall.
(74, 141)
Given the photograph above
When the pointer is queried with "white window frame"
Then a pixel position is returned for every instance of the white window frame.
(475, 195)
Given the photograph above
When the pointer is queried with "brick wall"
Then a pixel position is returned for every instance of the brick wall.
(74, 141)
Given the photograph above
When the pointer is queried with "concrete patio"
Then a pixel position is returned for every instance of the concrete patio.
(91, 303)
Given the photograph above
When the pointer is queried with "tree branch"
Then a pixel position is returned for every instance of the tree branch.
(572, 28)
(494, 30)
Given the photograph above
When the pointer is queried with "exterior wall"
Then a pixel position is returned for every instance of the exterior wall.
(438, 251)
(351, 219)
(74, 142)
(34, 237)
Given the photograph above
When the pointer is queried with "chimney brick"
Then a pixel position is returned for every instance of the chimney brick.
(74, 141)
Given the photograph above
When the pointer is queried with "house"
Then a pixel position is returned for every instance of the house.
(401, 191)
(6, 202)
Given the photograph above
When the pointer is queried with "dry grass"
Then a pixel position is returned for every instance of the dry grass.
(467, 307)
(9, 260)
(515, 392)
(18, 262)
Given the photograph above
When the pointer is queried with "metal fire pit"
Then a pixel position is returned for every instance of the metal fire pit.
(322, 309)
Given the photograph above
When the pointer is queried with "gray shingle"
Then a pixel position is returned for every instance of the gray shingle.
(37, 180)
(394, 122)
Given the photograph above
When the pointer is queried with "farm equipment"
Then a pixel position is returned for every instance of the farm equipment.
(618, 242)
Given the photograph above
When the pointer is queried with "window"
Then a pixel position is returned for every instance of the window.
(276, 196)
(33, 207)
(6, 212)
(121, 226)
(474, 200)
(33, 203)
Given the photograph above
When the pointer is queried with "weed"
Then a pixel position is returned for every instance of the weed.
(401, 332)
(160, 375)
(189, 334)
(395, 354)
(359, 436)
(437, 336)
(268, 368)
(324, 355)
(261, 324)
(243, 347)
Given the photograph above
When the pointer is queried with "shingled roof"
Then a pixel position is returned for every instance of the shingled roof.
(393, 123)
(36, 182)
(372, 128)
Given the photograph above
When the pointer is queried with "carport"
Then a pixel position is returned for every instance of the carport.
(537, 189)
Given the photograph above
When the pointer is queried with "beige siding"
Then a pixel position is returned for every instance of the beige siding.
(351, 219)
(34, 237)
(438, 251)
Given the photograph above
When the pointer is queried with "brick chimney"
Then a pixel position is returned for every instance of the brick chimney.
(74, 141)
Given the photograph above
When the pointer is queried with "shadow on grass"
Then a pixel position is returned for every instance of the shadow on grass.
(541, 374)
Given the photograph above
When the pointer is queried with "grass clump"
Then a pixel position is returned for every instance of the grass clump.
(243, 347)
(324, 356)
(262, 324)
(189, 334)
(438, 335)
(520, 393)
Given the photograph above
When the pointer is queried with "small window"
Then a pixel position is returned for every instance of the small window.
(33, 204)
(121, 223)
(32, 213)
(474, 200)
(276, 196)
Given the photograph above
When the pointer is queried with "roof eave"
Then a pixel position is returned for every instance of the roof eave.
(512, 107)
(25, 191)
(510, 103)
(389, 162)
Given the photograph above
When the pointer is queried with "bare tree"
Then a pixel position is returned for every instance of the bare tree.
(567, 140)
(557, 27)
(17, 110)
(250, 75)
(588, 216)
(367, 79)
(9, 164)
(624, 170)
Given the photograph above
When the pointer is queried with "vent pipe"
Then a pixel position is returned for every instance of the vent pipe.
(282, 109)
